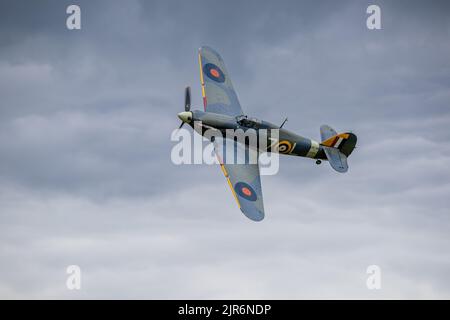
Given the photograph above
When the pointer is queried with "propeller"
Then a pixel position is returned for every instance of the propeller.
(187, 103)
(187, 99)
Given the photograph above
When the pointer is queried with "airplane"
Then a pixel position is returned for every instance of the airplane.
(222, 111)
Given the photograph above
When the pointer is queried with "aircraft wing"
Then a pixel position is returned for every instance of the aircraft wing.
(243, 179)
(217, 90)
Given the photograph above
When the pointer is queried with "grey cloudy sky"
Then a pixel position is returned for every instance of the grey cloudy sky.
(86, 176)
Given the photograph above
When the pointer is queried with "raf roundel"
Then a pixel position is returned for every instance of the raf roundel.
(284, 147)
(213, 72)
(245, 191)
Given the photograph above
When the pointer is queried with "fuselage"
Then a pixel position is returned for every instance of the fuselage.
(286, 142)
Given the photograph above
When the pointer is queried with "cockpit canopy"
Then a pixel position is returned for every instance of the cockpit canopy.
(248, 122)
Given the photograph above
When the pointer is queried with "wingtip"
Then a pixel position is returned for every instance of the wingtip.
(208, 48)
(256, 215)
(201, 48)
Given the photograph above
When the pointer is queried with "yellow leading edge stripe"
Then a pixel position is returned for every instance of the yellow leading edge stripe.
(225, 173)
(202, 82)
(234, 193)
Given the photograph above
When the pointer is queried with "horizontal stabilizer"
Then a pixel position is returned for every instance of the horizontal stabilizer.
(326, 132)
(337, 159)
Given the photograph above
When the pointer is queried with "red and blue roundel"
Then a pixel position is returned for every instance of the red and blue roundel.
(213, 72)
(245, 191)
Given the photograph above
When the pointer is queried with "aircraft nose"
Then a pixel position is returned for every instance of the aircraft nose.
(185, 116)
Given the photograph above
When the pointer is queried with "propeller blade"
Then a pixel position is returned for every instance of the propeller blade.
(187, 99)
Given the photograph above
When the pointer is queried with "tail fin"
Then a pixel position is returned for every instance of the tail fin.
(337, 147)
